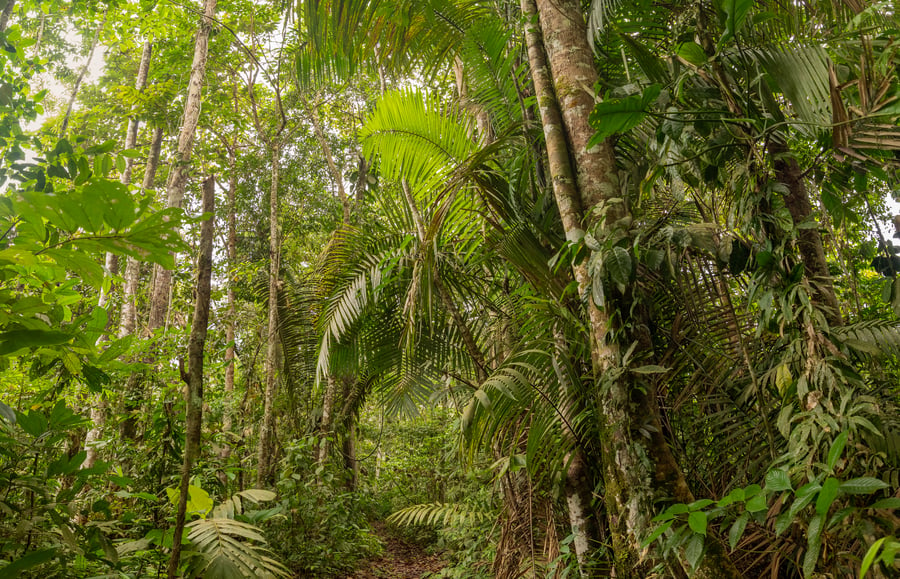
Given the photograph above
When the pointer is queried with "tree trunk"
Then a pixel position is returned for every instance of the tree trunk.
(637, 472)
(87, 63)
(266, 439)
(181, 162)
(128, 316)
(7, 12)
(578, 486)
(227, 421)
(194, 396)
(327, 418)
(329, 158)
(809, 241)
(153, 159)
(130, 139)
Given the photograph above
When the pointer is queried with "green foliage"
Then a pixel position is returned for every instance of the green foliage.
(324, 530)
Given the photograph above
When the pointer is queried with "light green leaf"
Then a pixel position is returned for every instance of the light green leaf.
(697, 522)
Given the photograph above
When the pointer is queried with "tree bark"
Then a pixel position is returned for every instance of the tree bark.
(181, 162)
(7, 12)
(329, 158)
(267, 435)
(87, 63)
(196, 343)
(227, 421)
(637, 472)
(809, 240)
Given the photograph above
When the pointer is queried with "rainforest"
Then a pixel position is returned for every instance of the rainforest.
(449, 289)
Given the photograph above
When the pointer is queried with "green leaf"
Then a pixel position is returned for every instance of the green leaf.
(618, 264)
(15, 340)
(737, 530)
(863, 485)
(756, 504)
(692, 53)
(827, 495)
(28, 561)
(614, 116)
(693, 551)
(656, 533)
(650, 369)
(697, 522)
(777, 480)
(869, 559)
(837, 449)
(891, 503)
(735, 13)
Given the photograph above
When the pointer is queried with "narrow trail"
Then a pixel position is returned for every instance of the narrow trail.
(401, 560)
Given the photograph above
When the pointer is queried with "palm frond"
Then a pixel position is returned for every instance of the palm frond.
(440, 514)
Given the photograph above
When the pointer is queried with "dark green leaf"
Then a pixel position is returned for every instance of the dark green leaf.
(863, 485)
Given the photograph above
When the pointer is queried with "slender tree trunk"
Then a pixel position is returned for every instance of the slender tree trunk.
(130, 139)
(327, 418)
(81, 74)
(128, 317)
(40, 35)
(7, 12)
(227, 420)
(329, 158)
(181, 162)
(266, 439)
(637, 472)
(579, 487)
(153, 159)
(194, 378)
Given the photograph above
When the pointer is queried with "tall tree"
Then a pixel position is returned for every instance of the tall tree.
(194, 376)
(181, 161)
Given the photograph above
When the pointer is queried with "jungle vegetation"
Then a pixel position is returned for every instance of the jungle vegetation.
(551, 288)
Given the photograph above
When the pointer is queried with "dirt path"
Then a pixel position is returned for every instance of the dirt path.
(401, 560)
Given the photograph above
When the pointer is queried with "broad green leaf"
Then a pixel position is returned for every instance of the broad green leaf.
(891, 503)
(693, 551)
(692, 53)
(697, 522)
(15, 340)
(619, 265)
(735, 13)
(614, 116)
(777, 480)
(28, 561)
(863, 485)
(756, 504)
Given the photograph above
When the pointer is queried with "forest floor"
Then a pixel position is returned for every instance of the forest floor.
(401, 560)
